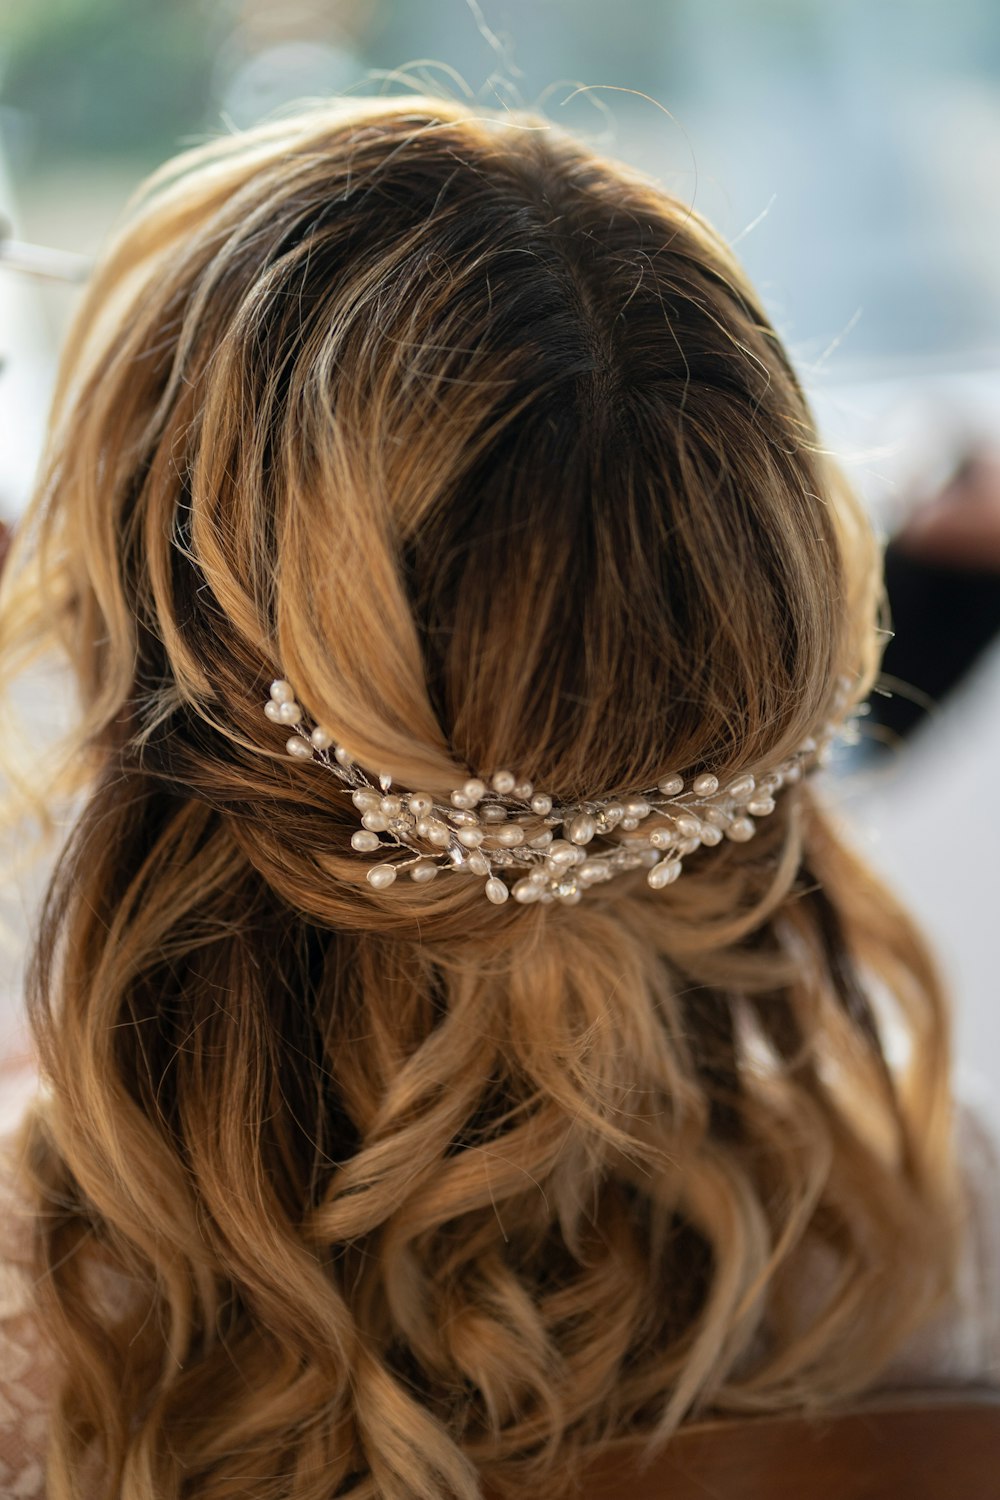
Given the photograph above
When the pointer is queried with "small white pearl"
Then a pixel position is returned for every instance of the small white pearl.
(710, 834)
(580, 829)
(496, 890)
(571, 898)
(376, 821)
(423, 872)
(717, 816)
(491, 813)
(590, 871)
(461, 818)
(384, 780)
(688, 846)
(391, 806)
(477, 863)
(706, 785)
(742, 788)
(542, 840)
(523, 791)
(298, 748)
(687, 826)
(364, 841)
(561, 852)
(380, 876)
(470, 837)
(629, 823)
(526, 891)
(321, 738)
(793, 773)
(459, 799)
(664, 873)
(671, 786)
(273, 711)
(636, 807)
(365, 800)
(740, 830)
(281, 691)
(760, 807)
(439, 835)
(509, 836)
(343, 757)
(424, 826)
(662, 838)
(474, 789)
(541, 803)
(504, 782)
(421, 803)
(539, 876)
(289, 713)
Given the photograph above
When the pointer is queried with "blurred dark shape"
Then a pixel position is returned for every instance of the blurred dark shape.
(943, 581)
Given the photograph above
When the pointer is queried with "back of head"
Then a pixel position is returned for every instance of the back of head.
(485, 444)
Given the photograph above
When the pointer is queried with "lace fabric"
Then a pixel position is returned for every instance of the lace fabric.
(961, 1346)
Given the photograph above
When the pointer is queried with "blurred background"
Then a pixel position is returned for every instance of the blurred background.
(850, 151)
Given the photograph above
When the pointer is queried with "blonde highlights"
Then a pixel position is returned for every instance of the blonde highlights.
(488, 445)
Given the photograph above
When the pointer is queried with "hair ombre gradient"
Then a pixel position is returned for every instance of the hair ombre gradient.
(485, 443)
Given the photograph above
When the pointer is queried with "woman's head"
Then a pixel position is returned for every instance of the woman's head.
(486, 444)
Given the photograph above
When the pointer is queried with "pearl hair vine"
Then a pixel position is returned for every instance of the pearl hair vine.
(503, 830)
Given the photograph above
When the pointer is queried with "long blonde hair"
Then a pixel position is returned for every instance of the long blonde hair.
(485, 442)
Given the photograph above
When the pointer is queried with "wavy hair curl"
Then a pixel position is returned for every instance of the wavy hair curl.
(486, 443)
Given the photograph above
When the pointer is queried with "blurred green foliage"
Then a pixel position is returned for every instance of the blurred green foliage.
(109, 77)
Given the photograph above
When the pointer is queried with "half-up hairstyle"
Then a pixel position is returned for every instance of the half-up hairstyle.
(486, 445)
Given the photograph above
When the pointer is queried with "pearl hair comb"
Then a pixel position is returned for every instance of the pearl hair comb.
(503, 830)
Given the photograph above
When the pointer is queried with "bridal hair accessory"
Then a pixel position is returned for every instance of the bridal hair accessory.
(503, 830)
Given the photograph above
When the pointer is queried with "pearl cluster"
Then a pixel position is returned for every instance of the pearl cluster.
(521, 843)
